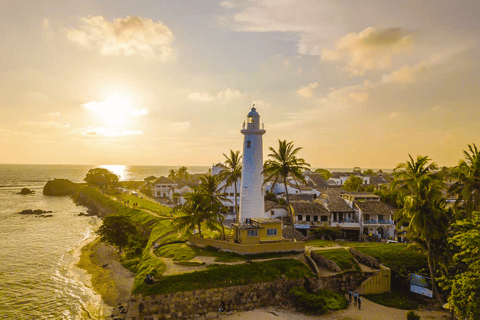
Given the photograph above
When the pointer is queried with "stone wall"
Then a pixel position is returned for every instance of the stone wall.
(325, 262)
(205, 304)
(364, 259)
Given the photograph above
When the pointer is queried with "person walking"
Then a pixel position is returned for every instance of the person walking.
(355, 297)
(350, 294)
(359, 302)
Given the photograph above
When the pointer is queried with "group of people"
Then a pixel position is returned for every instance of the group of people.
(149, 279)
(356, 299)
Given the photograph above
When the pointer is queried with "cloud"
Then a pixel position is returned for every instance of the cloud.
(53, 114)
(404, 75)
(393, 114)
(123, 36)
(110, 132)
(370, 49)
(228, 94)
(359, 96)
(182, 126)
(307, 92)
(48, 124)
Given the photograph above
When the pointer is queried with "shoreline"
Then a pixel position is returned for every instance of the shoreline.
(104, 275)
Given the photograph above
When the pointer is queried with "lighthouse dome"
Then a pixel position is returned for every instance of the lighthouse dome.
(253, 112)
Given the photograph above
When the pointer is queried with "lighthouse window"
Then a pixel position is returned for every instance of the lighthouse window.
(248, 144)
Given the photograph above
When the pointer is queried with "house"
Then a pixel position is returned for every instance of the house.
(309, 214)
(275, 210)
(160, 187)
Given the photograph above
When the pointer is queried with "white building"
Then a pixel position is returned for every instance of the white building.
(251, 195)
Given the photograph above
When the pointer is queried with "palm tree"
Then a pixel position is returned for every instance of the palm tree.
(284, 163)
(172, 174)
(182, 173)
(211, 189)
(353, 183)
(467, 186)
(233, 172)
(424, 207)
(197, 209)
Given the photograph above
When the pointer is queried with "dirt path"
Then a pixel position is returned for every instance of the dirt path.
(370, 311)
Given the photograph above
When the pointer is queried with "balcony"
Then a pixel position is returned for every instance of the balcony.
(391, 222)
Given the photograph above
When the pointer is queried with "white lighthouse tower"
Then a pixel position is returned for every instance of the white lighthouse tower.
(251, 195)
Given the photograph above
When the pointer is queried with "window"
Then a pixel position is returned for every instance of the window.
(299, 217)
(367, 217)
(380, 217)
(307, 218)
(323, 218)
(315, 218)
(253, 233)
(248, 144)
(271, 232)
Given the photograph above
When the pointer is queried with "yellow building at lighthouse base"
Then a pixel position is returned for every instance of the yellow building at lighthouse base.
(257, 236)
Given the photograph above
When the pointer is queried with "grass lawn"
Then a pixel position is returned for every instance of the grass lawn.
(341, 257)
(397, 256)
(225, 276)
(146, 204)
(318, 302)
(395, 299)
(322, 243)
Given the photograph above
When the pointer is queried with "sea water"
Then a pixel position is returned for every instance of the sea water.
(38, 276)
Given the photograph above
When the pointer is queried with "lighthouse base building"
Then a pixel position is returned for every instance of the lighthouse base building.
(254, 231)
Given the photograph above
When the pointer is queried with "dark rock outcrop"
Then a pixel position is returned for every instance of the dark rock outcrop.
(323, 262)
(59, 187)
(36, 213)
(26, 191)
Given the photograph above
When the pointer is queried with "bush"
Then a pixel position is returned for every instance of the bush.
(318, 302)
(328, 233)
(412, 316)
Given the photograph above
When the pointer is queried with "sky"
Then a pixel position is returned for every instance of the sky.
(354, 83)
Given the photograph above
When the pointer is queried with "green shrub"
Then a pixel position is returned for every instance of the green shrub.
(395, 299)
(328, 233)
(412, 316)
(318, 302)
(341, 257)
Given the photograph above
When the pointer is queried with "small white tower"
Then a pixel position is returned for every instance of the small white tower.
(251, 196)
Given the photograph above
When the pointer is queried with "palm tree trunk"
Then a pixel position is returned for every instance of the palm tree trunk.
(288, 201)
(199, 230)
(221, 223)
(431, 268)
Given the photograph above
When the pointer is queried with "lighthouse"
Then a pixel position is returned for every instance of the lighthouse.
(251, 195)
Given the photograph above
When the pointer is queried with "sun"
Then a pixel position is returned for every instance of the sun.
(116, 110)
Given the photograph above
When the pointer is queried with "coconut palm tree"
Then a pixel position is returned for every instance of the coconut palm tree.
(210, 186)
(284, 163)
(197, 209)
(232, 173)
(353, 183)
(424, 207)
(172, 174)
(467, 186)
(182, 173)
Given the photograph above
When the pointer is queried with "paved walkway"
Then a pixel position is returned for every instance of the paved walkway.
(370, 311)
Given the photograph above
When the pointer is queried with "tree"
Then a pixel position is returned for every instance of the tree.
(210, 187)
(117, 230)
(101, 177)
(353, 183)
(172, 174)
(232, 173)
(467, 187)
(369, 172)
(464, 286)
(424, 207)
(182, 173)
(196, 209)
(324, 173)
(284, 163)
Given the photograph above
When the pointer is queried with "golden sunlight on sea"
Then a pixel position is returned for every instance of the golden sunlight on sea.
(119, 170)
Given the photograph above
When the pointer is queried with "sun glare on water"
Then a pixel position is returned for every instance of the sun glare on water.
(119, 170)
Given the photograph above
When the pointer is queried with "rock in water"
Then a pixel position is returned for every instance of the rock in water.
(59, 187)
(26, 191)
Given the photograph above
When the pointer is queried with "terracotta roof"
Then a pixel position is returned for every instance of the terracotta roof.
(163, 179)
(317, 180)
(307, 207)
(373, 207)
(332, 201)
(270, 205)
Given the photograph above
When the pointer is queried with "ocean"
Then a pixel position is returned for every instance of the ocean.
(38, 276)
